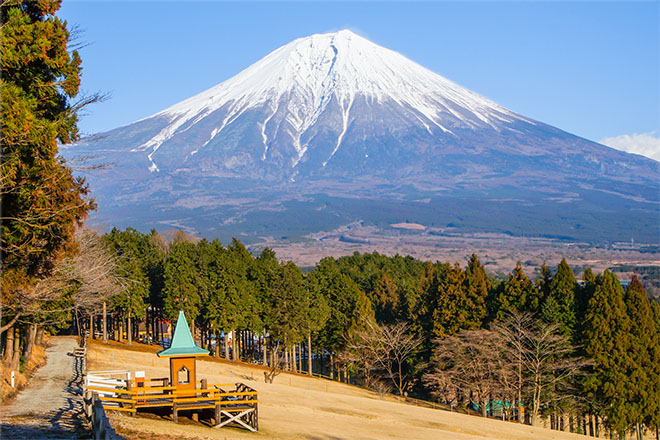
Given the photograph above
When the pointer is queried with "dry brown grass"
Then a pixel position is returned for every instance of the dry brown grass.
(21, 380)
(299, 407)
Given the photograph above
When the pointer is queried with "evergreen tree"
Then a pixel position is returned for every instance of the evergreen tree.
(349, 306)
(559, 307)
(451, 312)
(517, 294)
(290, 305)
(607, 340)
(42, 202)
(476, 286)
(583, 295)
(543, 282)
(644, 379)
(180, 284)
(386, 300)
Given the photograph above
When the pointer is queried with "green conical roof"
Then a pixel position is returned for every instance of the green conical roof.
(182, 341)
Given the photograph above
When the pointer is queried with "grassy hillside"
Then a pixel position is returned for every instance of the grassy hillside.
(299, 407)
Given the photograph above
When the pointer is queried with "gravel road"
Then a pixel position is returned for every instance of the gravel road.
(51, 406)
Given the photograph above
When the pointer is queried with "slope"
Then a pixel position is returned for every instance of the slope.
(298, 407)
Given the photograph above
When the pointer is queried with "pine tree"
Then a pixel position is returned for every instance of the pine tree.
(476, 287)
(348, 304)
(559, 307)
(386, 298)
(518, 294)
(543, 282)
(644, 380)
(451, 313)
(607, 340)
(180, 290)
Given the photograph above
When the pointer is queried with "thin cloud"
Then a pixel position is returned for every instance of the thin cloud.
(646, 144)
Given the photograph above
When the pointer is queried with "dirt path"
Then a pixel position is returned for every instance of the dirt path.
(51, 406)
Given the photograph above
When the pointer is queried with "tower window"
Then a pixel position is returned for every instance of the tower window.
(183, 376)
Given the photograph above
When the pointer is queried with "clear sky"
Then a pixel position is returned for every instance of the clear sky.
(590, 68)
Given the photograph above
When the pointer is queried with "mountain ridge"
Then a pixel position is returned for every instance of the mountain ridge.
(335, 114)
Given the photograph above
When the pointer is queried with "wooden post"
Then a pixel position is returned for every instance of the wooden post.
(175, 413)
(129, 329)
(105, 323)
(128, 387)
(217, 414)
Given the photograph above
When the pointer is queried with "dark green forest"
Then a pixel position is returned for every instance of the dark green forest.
(583, 356)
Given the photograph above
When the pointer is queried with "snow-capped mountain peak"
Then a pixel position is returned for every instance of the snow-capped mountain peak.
(293, 86)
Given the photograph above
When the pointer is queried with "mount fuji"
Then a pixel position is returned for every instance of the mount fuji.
(331, 129)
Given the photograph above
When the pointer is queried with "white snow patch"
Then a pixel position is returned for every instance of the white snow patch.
(301, 78)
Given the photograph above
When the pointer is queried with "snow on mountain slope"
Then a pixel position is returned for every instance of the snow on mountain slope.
(332, 129)
(300, 79)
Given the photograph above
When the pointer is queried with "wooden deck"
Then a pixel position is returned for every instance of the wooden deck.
(230, 403)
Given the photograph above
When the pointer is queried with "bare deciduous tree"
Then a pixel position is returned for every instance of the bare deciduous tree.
(382, 352)
(468, 362)
(514, 331)
(277, 364)
(550, 365)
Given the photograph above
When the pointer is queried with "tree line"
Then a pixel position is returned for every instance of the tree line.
(580, 356)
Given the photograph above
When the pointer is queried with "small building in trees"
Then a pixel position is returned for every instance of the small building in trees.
(182, 353)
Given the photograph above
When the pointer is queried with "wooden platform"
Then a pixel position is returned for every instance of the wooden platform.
(231, 403)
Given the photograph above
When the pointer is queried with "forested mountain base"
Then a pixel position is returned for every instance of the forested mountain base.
(580, 356)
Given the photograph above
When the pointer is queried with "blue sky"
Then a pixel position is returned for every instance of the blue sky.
(590, 68)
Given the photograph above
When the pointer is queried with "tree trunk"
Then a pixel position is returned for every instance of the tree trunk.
(234, 355)
(40, 336)
(9, 325)
(217, 345)
(264, 347)
(30, 335)
(16, 358)
(105, 323)
(332, 367)
(286, 358)
(226, 340)
(9, 346)
(129, 329)
(309, 353)
(91, 326)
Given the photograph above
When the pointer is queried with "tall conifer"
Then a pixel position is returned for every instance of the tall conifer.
(607, 340)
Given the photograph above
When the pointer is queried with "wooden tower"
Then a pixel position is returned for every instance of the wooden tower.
(182, 354)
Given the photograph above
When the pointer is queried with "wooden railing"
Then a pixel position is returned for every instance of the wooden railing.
(101, 428)
(235, 401)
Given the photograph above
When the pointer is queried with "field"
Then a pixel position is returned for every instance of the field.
(299, 407)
